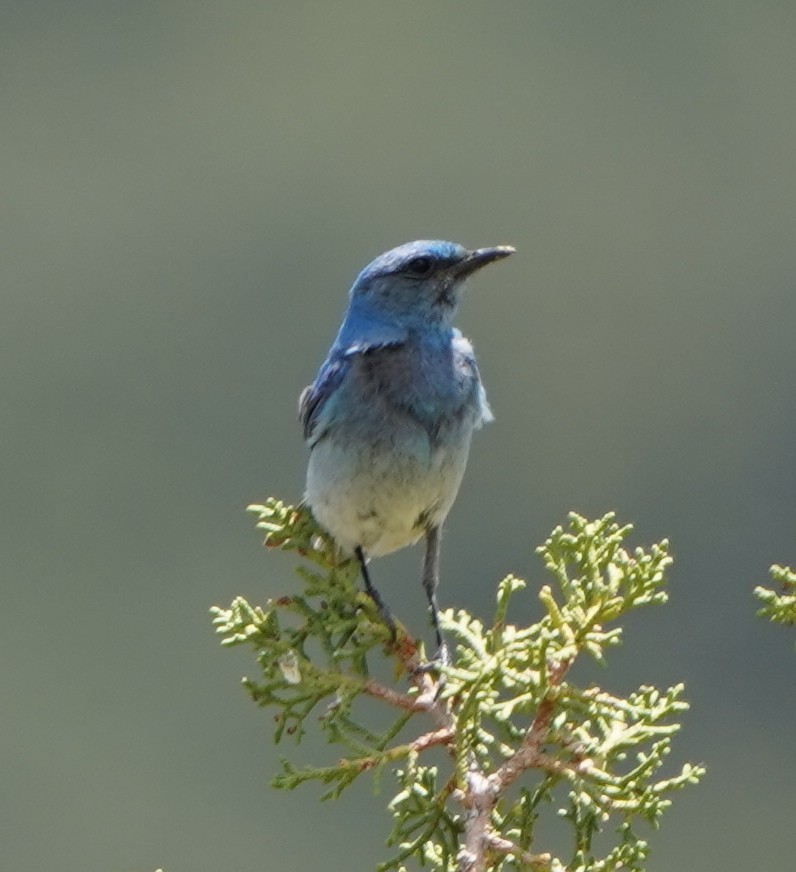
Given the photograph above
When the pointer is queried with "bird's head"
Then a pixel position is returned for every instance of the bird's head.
(420, 282)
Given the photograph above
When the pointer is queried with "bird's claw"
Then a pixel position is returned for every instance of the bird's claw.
(441, 658)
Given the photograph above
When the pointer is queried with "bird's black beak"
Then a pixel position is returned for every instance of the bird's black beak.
(479, 257)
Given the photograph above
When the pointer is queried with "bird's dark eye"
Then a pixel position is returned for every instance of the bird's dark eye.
(420, 266)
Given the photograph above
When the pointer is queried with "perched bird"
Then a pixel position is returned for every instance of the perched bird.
(389, 417)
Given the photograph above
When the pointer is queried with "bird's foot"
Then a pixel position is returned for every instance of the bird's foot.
(436, 668)
(441, 658)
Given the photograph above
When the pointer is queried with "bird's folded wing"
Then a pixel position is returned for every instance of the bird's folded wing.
(315, 397)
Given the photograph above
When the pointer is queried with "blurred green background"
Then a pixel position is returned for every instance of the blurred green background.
(188, 191)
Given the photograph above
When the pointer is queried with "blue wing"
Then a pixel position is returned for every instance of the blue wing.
(314, 397)
(363, 330)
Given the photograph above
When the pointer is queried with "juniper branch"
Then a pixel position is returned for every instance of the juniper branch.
(779, 606)
(514, 727)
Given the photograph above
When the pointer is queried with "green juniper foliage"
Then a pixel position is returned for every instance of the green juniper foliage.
(779, 608)
(522, 741)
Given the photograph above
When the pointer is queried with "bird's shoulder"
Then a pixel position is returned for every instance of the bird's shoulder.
(343, 355)
(464, 360)
(315, 396)
(466, 364)
(462, 349)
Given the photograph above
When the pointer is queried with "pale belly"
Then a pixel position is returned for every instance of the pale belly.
(386, 497)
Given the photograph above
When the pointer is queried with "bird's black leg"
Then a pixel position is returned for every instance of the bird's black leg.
(430, 582)
(374, 594)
